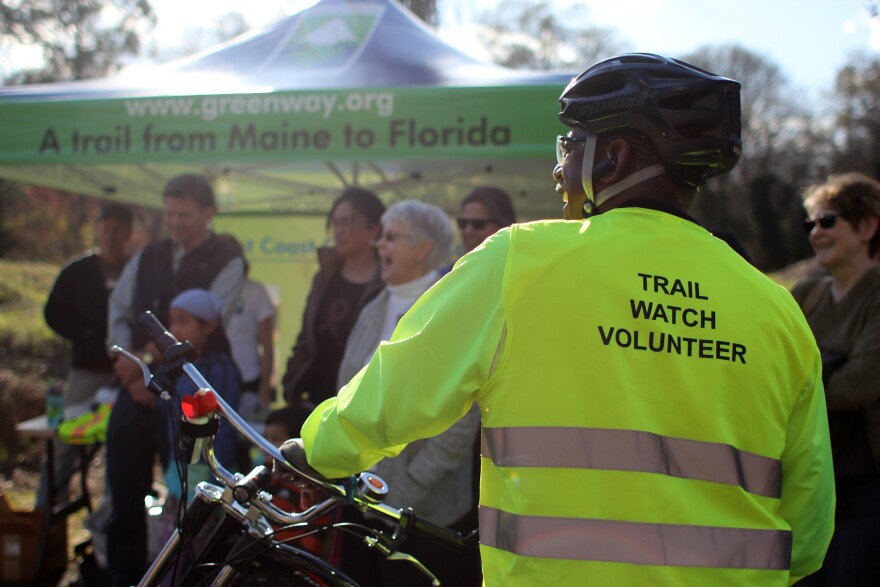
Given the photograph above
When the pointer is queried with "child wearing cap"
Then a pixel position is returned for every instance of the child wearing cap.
(195, 317)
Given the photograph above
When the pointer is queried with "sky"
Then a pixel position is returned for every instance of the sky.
(808, 39)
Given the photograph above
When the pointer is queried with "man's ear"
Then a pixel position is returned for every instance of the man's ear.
(621, 153)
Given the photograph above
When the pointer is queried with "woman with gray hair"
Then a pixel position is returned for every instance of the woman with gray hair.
(416, 240)
(434, 476)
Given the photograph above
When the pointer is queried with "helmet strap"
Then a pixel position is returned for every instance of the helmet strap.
(587, 174)
(594, 201)
(629, 181)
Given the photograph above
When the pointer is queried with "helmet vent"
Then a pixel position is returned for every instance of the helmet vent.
(699, 130)
(602, 85)
(640, 58)
(691, 101)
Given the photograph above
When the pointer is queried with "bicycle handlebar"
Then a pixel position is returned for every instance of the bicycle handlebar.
(370, 487)
(157, 332)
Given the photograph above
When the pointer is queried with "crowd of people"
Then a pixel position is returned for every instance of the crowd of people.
(196, 282)
(596, 384)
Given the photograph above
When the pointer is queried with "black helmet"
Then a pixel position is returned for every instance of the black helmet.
(691, 116)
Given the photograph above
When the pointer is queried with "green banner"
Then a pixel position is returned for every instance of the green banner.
(304, 126)
(281, 252)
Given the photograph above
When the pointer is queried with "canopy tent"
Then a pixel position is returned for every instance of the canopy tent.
(345, 92)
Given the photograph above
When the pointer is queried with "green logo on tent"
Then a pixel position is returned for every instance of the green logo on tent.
(330, 38)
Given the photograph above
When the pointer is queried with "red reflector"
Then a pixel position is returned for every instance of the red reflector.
(199, 405)
(189, 406)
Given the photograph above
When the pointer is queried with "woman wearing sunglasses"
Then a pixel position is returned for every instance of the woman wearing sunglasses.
(843, 310)
(483, 212)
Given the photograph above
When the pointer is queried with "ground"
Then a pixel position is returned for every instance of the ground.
(20, 487)
(30, 357)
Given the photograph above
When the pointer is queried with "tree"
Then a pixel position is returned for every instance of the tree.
(782, 150)
(774, 124)
(80, 39)
(857, 103)
(530, 34)
(425, 10)
(199, 38)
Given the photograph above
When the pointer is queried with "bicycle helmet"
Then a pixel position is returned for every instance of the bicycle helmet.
(691, 116)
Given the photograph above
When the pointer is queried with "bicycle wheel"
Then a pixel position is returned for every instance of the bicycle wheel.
(287, 566)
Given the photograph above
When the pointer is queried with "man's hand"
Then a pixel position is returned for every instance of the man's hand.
(131, 377)
(141, 394)
(295, 453)
(128, 372)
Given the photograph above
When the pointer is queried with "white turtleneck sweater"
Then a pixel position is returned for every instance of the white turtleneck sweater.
(377, 321)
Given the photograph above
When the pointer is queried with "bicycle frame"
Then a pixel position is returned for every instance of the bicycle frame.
(243, 502)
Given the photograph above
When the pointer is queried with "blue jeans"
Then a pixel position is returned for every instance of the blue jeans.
(135, 435)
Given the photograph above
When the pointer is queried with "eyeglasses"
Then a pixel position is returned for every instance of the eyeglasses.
(390, 237)
(345, 223)
(477, 223)
(826, 221)
(564, 146)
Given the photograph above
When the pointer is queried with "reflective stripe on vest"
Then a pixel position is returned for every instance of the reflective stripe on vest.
(632, 450)
(635, 543)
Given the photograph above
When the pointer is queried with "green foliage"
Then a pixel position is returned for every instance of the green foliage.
(23, 292)
(46, 225)
(80, 39)
(30, 354)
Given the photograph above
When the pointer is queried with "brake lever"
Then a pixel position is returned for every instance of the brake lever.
(145, 371)
(408, 558)
(136, 360)
(388, 548)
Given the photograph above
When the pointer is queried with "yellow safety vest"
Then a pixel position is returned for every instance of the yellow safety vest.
(652, 406)
(635, 431)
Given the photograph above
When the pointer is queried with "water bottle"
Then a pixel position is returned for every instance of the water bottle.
(54, 404)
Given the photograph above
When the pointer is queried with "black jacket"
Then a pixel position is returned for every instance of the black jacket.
(156, 284)
(304, 354)
(77, 310)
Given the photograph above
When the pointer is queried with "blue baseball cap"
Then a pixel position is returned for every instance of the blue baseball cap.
(200, 303)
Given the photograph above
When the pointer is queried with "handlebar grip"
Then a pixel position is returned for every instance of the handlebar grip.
(249, 485)
(157, 332)
(435, 531)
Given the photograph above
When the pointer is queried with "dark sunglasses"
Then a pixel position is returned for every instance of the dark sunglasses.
(477, 223)
(826, 221)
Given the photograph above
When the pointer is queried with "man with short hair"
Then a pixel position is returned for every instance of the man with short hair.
(192, 257)
(653, 411)
(77, 310)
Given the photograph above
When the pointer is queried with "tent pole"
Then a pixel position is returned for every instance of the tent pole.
(338, 173)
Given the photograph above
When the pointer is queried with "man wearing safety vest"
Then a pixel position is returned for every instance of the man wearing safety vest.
(653, 410)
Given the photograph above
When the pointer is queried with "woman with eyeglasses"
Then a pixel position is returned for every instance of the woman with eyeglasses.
(843, 310)
(434, 475)
(484, 211)
(348, 278)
